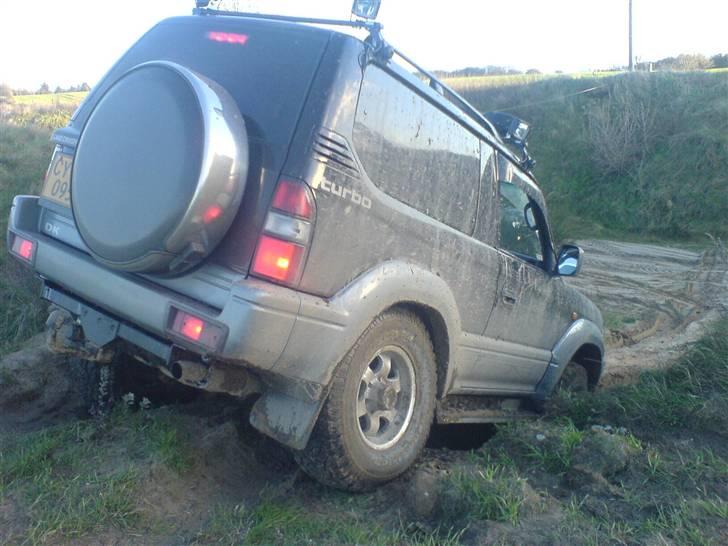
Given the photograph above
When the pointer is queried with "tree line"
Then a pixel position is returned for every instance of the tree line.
(682, 62)
(6, 91)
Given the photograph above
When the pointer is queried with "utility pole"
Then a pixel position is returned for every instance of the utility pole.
(631, 57)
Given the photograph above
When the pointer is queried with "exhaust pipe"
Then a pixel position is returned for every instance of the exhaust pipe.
(217, 377)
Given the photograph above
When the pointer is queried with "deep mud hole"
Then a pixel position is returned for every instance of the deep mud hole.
(655, 301)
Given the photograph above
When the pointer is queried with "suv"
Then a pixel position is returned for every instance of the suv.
(258, 206)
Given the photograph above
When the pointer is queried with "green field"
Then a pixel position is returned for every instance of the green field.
(51, 99)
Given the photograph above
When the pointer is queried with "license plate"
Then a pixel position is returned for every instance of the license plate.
(57, 186)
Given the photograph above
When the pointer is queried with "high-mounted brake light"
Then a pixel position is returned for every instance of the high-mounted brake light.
(282, 247)
(227, 37)
(23, 248)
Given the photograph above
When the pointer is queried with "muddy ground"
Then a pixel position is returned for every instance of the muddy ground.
(210, 478)
(654, 300)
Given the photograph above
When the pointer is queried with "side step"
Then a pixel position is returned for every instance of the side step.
(483, 409)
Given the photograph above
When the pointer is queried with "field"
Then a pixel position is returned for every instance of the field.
(644, 460)
(51, 99)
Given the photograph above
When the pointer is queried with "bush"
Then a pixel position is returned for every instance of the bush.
(631, 153)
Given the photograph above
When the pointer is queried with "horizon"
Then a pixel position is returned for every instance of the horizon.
(571, 42)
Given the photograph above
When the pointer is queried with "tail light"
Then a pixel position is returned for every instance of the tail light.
(196, 329)
(282, 247)
(23, 248)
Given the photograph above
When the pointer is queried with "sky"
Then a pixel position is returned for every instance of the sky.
(67, 42)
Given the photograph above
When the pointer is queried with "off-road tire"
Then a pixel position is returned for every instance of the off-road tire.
(575, 378)
(96, 384)
(336, 454)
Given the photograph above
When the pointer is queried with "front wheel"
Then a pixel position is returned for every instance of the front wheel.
(380, 406)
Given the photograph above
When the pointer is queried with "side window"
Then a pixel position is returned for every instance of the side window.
(415, 152)
(519, 233)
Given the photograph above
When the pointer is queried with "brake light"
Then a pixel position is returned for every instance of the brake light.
(227, 37)
(293, 198)
(281, 250)
(277, 259)
(23, 248)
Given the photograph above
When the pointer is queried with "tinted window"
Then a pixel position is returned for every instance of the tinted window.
(415, 152)
(516, 213)
(267, 68)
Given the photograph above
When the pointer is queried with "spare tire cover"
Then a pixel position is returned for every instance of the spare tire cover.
(160, 170)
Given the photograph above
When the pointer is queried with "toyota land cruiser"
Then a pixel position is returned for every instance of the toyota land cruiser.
(257, 205)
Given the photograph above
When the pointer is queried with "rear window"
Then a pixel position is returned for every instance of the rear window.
(266, 66)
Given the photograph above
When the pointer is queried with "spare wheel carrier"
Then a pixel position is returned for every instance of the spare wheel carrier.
(160, 170)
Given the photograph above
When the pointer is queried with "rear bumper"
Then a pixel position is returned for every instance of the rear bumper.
(258, 316)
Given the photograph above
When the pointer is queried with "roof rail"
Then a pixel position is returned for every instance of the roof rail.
(371, 26)
(450, 94)
(379, 45)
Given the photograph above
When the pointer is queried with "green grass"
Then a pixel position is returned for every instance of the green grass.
(492, 490)
(279, 521)
(640, 155)
(24, 156)
(691, 393)
(51, 99)
(85, 477)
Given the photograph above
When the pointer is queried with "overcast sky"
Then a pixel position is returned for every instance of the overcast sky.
(66, 42)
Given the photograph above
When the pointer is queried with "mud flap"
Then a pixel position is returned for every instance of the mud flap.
(287, 420)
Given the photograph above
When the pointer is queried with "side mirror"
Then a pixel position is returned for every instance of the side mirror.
(569, 260)
(366, 9)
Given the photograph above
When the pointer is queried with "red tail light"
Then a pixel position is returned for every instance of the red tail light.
(23, 248)
(196, 329)
(192, 327)
(282, 247)
(277, 259)
(293, 198)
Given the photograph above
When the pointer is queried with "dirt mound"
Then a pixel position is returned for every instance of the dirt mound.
(36, 387)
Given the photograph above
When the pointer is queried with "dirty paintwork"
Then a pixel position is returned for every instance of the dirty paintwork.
(408, 212)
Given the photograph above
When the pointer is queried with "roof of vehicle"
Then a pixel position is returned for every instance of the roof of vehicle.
(479, 124)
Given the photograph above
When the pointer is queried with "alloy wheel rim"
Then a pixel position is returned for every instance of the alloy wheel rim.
(386, 398)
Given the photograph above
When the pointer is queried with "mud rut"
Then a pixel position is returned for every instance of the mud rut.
(655, 300)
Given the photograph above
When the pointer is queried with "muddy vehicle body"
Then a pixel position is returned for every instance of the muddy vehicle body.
(264, 207)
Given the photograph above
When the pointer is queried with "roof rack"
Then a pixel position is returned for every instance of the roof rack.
(450, 94)
(384, 51)
(371, 26)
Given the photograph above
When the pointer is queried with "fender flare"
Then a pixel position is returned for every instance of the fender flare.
(339, 323)
(581, 332)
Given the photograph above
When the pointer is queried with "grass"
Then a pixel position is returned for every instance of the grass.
(51, 99)
(638, 155)
(691, 393)
(277, 521)
(24, 156)
(490, 491)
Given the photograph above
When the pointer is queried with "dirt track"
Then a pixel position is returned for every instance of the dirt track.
(655, 299)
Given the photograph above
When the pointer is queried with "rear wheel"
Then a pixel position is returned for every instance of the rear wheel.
(380, 407)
